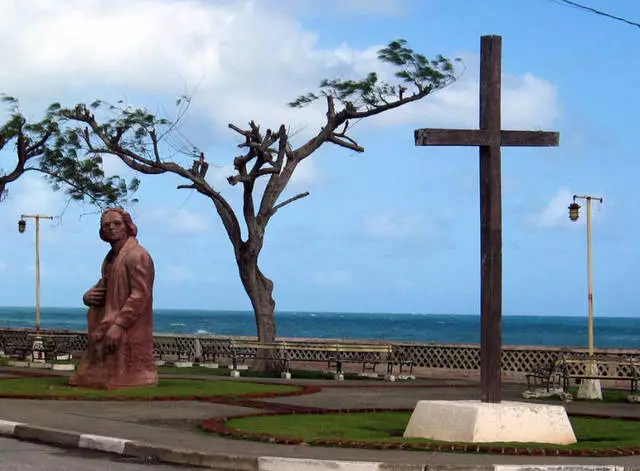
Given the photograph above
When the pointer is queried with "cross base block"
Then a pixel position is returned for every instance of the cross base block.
(481, 422)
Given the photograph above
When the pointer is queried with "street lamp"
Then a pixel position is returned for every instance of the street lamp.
(22, 225)
(589, 389)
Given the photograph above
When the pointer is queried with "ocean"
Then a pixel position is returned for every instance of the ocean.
(610, 332)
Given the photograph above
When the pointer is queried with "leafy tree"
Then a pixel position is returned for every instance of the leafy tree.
(134, 135)
(42, 147)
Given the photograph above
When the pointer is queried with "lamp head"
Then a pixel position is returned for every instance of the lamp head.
(574, 211)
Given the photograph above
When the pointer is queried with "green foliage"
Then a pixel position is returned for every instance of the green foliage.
(53, 151)
(371, 93)
(127, 127)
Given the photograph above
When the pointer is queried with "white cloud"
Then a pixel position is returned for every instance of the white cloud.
(31, 194)
(332, 278)
(528, 102)
(306, 175)
(377, 7)
(385, 8)
(217, 175)
(180, 221)
(166, 46)
(556, 212)
(392, 224)
(112, 165)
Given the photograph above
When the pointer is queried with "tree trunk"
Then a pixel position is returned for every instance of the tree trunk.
(259, 288)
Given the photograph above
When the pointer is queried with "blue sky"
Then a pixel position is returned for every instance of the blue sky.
(395, 229)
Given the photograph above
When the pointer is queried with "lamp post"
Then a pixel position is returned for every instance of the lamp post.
(589, 389)
(22, 225)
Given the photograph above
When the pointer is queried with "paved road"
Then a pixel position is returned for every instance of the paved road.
(23, 456)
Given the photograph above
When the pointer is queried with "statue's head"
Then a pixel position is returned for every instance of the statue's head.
(116, 224)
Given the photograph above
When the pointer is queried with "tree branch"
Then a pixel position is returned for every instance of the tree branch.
(278, 180)
(249, 212)
(286, 202)
(240, 131)
(147, 166)
(38, 147)
(154, 142)
(354, 114)
(345, 141)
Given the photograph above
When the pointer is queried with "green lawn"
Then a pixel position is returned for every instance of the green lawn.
(608, 395)
(166, 388)
(389, 426)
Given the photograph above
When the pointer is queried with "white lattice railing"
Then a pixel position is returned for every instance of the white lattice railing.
(459, 357)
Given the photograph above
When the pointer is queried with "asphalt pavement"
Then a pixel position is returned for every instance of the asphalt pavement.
(16, 455)
(168, 430)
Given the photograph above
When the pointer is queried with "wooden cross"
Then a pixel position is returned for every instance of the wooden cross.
(489, 138)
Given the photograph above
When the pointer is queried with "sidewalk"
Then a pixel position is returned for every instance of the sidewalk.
(168, 430)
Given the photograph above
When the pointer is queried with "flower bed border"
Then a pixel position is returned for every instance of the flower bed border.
(218, 425)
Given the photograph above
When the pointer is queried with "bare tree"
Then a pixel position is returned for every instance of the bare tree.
(134, 136)
(42, 147)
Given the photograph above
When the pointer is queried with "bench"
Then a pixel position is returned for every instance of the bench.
(546, 375)
(579, 368)
(335, 354)
(53, 347)
(57, 347)
(18, 348)
(213, 349)
(171, 350)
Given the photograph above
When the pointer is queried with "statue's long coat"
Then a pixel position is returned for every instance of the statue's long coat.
(128, 277)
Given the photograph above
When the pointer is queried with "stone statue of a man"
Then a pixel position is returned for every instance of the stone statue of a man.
(120, 316)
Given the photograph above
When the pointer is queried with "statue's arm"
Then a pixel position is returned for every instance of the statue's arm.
(85, 299)
(141, 274)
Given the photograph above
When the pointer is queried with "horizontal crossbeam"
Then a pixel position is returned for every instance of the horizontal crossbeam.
(479, 137)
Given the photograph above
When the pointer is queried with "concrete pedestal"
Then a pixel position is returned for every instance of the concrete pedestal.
(479, 422)
(590, 388)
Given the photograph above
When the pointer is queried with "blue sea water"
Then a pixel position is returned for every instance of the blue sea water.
(610, 332)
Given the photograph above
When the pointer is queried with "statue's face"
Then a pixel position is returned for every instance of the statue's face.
(113, 227)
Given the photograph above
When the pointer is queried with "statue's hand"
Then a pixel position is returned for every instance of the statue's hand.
(97, 335)
(94, 297)
(113, 336)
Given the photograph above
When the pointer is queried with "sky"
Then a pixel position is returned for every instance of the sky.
(393, 229)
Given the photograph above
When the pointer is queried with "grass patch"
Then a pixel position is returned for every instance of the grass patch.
(166, 388)
(295, 374)
(608, 395)
(389, 427)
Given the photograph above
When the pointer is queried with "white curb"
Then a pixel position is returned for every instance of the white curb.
(560, 467)
(274, 463)
(7, 427)
(101, 443)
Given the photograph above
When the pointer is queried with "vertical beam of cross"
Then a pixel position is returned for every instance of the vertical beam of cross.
(490, 221)
(489, 138)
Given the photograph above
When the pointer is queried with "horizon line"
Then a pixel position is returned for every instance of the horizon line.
(316, 311)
